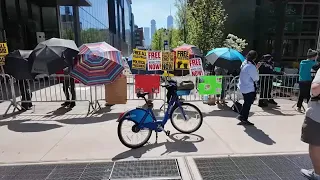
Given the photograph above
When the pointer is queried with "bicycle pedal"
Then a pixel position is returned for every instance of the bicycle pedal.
(168, 133)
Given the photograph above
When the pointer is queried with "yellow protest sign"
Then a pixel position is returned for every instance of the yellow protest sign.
(3, 49)
(139, 59)
(182, 60)
(167, 61)
(2, 60)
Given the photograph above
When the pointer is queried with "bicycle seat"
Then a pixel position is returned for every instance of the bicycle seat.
(142, 95)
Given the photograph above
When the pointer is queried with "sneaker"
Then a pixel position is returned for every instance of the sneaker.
(271, 101)
(310, 174)
(65, 104)
(240, 118)
(246, 123)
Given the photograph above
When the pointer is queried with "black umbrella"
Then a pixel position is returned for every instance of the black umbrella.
(17, 65)
(53, 55)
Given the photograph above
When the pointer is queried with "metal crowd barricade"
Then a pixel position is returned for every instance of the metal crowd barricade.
(51, 88)
(7, 92)
(131, 94)
(278, 86)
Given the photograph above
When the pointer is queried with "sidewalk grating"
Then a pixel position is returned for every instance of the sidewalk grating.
(254, 167)
(138, 169)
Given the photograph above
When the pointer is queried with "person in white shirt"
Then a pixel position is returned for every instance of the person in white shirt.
(247, 85)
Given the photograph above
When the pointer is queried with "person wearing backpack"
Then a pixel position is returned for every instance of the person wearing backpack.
(247, 85)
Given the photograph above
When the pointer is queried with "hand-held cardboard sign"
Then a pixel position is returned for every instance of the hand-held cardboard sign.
(154, 60)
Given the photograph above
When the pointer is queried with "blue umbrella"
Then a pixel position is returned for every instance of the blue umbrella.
(225, 58)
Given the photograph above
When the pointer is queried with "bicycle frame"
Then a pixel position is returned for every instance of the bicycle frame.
(145, 118)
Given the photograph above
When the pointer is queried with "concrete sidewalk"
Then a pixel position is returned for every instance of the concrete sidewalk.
(51, 133)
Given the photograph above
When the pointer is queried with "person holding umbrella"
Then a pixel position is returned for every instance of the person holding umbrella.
(247, 85)
(68, 84)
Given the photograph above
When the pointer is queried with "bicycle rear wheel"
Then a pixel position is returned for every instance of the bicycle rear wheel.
(125, 127)
(193, 116)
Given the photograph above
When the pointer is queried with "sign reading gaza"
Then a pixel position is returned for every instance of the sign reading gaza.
(139, 58)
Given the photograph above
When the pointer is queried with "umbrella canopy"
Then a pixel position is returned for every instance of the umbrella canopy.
(17, 65)
(193, 50)
(98, 63)
(53, 55)
(225, 58)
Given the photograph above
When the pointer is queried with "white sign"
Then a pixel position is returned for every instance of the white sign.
(154, 60)
(196, 68)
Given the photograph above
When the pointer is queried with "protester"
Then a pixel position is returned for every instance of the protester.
(221, 72)
(305, 78)
(68, 84)
(266, 68)
(247, 85)
(310, 133)
(26, 94)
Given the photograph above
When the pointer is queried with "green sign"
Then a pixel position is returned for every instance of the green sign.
(277, 69)
(210, 85)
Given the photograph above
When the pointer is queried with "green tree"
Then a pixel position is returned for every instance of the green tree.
(92, 35)
(206, 20)
(172, 37)
(181, 19)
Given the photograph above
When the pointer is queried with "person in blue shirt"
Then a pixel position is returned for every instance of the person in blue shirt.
(247, 85)
(305, 78)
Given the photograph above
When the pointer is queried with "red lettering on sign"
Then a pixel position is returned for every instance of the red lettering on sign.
(197, 73)
(195, 62)
(154, 55)
(154, 67)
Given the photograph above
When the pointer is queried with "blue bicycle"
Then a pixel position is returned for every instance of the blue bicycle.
(141, 122)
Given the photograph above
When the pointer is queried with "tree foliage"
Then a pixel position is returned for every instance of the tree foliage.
(234, 42)
(90, 35)
(206, 20)
(160, 35)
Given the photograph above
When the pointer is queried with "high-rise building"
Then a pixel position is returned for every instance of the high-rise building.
(153, 28)
(257, 22)
(139, 39)
(169, 22)
(147, 37)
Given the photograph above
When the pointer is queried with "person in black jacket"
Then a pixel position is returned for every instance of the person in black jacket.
(266, 67)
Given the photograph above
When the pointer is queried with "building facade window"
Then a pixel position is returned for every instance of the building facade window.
(50, 22)
(289, 47)
(305, 45)
(294, 9)
(310, 26)
(311, 10)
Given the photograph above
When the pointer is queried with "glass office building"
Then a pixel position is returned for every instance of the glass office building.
(104, 20)
(22, 20)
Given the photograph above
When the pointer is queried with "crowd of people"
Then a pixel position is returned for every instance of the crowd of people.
(309, 91)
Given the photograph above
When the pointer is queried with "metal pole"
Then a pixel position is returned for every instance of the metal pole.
(76, 25)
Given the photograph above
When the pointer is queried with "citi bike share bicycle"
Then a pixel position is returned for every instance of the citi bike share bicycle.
(141, 122)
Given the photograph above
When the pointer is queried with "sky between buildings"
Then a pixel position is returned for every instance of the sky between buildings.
(146, 10)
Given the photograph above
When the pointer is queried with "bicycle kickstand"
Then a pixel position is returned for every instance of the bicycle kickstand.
(156, 137)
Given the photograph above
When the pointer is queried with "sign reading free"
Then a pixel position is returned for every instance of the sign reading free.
(154, 60)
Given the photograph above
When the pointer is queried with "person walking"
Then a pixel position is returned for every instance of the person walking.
(305, 78)
(247, 85)
(310, 133)
(266, 69)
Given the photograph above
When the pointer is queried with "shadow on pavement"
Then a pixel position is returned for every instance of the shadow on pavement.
(58, 112)
(258, 135)
(22, 126)
(224, 113)
(184, 144)
(90, 119)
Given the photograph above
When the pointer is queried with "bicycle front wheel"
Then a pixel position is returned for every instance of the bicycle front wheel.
(191, 123)
(131, 136)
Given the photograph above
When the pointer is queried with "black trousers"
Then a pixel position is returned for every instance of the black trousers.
(69, 84)
(305, 88)
(248, 101)
(25, 93)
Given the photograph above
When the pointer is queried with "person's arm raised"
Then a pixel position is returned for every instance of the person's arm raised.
(315, 87)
